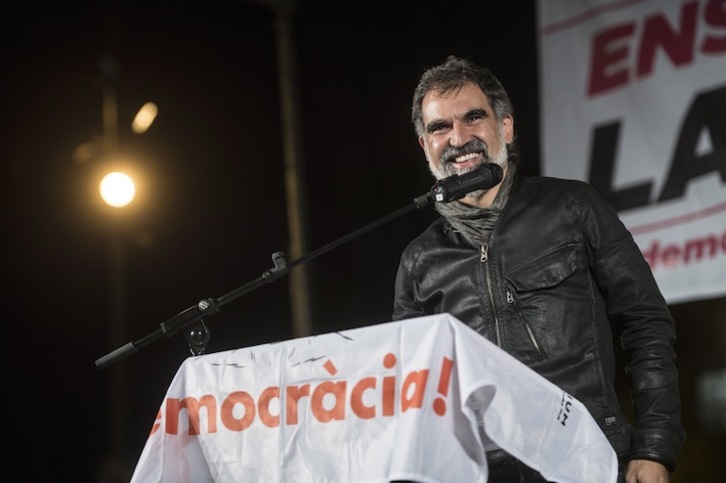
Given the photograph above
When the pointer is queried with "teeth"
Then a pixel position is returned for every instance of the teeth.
(466, 157)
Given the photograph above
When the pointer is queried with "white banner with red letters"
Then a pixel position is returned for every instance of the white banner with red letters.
(414, 400)
(633, 100)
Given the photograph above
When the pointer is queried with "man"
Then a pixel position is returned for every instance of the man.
(544, 268)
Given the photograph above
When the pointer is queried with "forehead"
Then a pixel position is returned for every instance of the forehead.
(439, 104)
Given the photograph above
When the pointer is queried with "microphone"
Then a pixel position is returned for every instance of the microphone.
(457, 186)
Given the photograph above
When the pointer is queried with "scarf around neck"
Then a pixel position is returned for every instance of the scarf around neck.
(476, 224)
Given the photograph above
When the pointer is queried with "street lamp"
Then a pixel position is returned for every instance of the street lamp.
(117, 189)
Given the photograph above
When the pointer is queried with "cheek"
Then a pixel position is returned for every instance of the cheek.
(433, 150)
(493, 144)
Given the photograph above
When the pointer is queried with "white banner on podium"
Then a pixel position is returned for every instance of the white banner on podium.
(413, 400)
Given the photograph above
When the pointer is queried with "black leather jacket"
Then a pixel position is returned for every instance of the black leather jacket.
(559, 269)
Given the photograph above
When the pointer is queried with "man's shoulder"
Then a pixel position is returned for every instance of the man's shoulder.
(431, 237)
(437, 229)
(572, 199)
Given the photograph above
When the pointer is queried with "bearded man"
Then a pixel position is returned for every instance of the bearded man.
(544, 268)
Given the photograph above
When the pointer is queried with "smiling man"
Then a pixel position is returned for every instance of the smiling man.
(543, 268)
(461, 131)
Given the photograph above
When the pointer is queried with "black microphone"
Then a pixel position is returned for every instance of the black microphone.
(457, 186)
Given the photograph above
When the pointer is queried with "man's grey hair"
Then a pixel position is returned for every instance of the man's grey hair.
(454, 74)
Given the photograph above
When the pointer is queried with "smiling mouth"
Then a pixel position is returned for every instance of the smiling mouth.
(465, 158)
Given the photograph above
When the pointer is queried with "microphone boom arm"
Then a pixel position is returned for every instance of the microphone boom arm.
(193, 317)
(446, 190)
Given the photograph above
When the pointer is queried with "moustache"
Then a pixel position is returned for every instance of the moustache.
(474, 146)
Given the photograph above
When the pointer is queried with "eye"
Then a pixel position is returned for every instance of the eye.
(476, 115)
(437, 127)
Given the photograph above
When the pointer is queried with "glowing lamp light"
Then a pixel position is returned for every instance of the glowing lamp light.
(117, 189)
(144, 118)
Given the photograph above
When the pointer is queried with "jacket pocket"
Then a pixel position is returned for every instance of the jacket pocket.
(546, 271)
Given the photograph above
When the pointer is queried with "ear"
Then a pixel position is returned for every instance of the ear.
(508, 125)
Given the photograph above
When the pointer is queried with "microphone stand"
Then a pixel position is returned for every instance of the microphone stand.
(192, 320)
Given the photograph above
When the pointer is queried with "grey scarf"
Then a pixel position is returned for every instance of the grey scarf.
(476, 224)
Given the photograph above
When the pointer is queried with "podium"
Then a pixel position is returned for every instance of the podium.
(421, 400)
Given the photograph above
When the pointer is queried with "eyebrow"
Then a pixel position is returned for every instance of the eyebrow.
(433, 125)
(478, 112)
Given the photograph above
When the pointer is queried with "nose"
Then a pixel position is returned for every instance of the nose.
(459, 135)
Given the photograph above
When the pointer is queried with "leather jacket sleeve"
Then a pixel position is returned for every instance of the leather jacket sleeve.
(648, 333)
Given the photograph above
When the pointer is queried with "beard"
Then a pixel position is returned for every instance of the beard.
(446, 167)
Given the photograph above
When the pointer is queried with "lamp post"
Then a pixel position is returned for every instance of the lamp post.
(300, 305)
(292, 142)
(118, 190)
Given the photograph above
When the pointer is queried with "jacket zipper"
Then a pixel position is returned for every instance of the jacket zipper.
(512, 301)
(484, 258)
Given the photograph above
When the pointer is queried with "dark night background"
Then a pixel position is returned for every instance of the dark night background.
(211, 207)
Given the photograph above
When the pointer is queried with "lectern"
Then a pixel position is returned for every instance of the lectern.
(421, 400)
